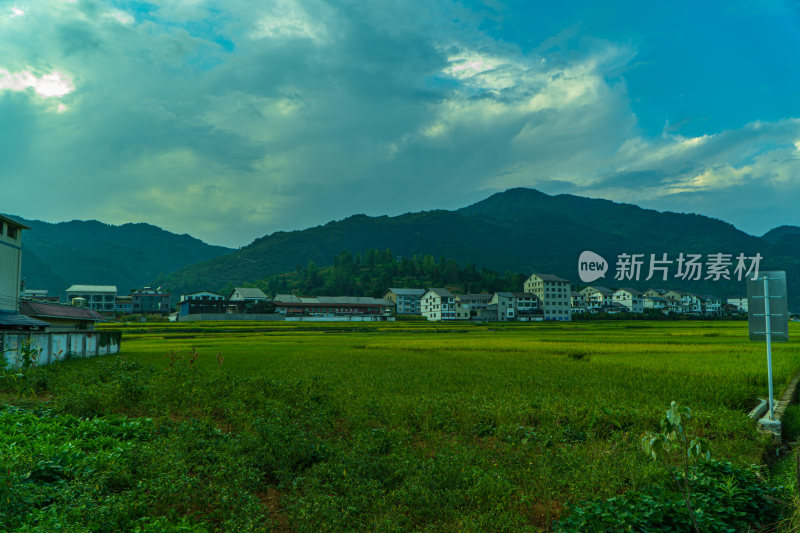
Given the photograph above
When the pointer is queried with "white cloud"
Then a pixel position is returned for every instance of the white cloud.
(120, 16)
(53, 85)
(17, 12)
(288, 19)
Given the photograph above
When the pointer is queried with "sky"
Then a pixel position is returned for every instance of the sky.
(233, 119)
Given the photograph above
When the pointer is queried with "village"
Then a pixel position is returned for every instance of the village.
(544, 297)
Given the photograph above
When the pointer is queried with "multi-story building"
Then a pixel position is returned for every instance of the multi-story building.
(631, 299)
(506, 308)
(650, 301)
(527, 307)
(10, 272)
(123, 305)
(406, 300)
(150, 301)
(100, 298)
(683, 303)
(438, 304)
(554, 295)
(38, 295)
(739, 303)
(10, 263)
(203, 302)
(710, 305)
(577, 302)
(598, 298)
(476, 302)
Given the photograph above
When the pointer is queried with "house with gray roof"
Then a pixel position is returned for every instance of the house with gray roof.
(247, 300)
(440, 304)
(406, 300)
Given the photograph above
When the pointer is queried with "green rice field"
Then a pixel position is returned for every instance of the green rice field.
(388, 426)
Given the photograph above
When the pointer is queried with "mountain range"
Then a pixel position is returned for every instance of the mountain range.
(519, 230)
(130, 256)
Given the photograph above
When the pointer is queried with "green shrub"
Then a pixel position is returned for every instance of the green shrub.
(724, 497)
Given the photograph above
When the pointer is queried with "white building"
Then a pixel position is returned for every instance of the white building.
(631, 299)
(710, 305)
(10, 263)
(506, 308)
(554, 295)
(739, 303)
(683, 303)
(246, 300)
(100, 298)
(598, 298)
(439, 304)
(654, 302)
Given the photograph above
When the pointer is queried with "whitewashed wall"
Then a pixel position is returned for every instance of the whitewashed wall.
(58, 346)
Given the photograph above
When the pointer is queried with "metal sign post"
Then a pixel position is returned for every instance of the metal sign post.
(768, 317)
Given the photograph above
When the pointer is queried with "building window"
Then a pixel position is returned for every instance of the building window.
(11, 231)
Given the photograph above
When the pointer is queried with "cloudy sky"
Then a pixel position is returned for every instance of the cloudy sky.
(231, 119)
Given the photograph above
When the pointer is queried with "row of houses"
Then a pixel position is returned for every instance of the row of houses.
(545, 297)
(597, 299)
(549, 297)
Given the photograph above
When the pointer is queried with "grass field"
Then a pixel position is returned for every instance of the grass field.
(388, 426)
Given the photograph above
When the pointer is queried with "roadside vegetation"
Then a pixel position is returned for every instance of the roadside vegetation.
(404, 426)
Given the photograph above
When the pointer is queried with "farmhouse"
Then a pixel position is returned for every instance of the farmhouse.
(246, 300)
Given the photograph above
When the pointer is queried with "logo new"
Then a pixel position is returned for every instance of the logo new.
(591, 266)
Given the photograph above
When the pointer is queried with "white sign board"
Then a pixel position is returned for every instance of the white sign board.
(775, 304)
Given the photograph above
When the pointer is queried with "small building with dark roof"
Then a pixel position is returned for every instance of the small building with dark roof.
(60, 317)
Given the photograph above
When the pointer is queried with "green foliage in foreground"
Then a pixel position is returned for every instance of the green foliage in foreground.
(386, 427)
(726, 498)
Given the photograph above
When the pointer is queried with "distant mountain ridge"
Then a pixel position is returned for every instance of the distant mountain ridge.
(57, 255)
(520, 230)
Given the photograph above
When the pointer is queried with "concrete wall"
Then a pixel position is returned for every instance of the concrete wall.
(58, 346)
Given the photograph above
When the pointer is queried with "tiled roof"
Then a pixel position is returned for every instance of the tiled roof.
(441, 292)
(633, 292)
(549, 277)
(250, 292)
(15, 319)
(48, 310)
(475, 297)
(407, 292)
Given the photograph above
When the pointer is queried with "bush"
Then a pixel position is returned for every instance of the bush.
(725, 498)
